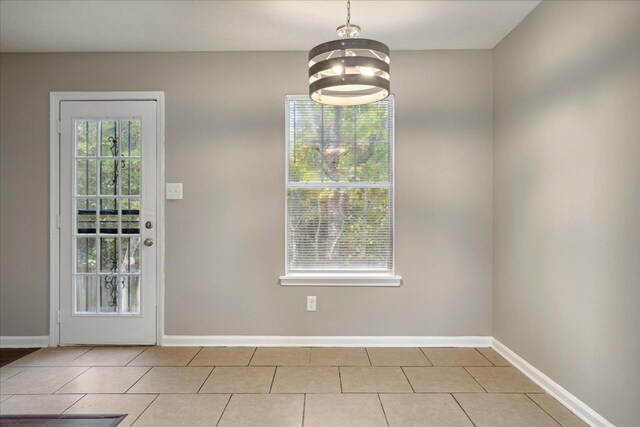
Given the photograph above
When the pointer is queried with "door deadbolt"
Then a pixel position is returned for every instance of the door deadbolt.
(148, 225)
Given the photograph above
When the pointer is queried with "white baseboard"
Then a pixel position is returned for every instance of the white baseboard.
(575, 405)
(24, 342)
(322, 341)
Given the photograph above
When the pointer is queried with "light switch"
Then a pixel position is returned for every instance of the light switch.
(174, 191)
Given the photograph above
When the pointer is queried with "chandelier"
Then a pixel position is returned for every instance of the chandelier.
(349, 71)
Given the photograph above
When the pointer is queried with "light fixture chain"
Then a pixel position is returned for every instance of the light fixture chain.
(348, 13)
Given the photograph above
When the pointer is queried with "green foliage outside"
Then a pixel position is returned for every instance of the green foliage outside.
(110, 149)
(344, 221)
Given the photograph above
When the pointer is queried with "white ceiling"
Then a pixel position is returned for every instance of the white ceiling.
(169, 26)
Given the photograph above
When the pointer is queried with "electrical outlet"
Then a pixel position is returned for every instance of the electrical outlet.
(311, 303)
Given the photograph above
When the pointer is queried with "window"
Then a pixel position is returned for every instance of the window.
(339, 194)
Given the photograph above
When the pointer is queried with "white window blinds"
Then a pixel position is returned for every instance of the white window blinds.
(339, 187)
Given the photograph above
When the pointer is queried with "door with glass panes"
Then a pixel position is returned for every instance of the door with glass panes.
(108, 222)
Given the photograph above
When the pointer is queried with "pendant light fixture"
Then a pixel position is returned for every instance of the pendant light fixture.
(349, 71)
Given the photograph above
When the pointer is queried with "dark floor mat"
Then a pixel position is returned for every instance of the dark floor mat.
(60, 420)
(8, 355)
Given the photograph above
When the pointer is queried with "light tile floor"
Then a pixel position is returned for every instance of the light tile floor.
(178, 386)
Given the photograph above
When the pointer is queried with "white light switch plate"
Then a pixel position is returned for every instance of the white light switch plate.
(174, 191)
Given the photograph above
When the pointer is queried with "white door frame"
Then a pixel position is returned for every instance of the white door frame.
(55, 98)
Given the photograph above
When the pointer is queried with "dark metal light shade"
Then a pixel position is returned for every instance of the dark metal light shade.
(349, 71)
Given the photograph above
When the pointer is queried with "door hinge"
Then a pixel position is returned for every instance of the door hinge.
(59, 221)
(58, 316)
(59, 127)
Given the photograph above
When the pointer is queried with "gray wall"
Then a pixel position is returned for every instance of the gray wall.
(225, 240)
(567, 199)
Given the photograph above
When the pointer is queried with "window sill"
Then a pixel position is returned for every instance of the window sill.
(343, 279)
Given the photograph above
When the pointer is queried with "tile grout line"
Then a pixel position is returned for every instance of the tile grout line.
(409, 381)
(60, 365)
(136, 356)
(311, 358)
(194, 356)
(141, 377)
(368, 357)
(255, 349)
(74, 403)
(145, 408)
(107, 365)
(465, 412)
(273, 379)
(64, 385)
(425, 355)
(383, 411)
(304, 406)
(498, 355)
(97, 367)
(206, 379)
(22, 370)
(9, 397)
(475, 379)
(224, 409)
(483, 356)
(67, 408)
(80, 355)
(536, 403)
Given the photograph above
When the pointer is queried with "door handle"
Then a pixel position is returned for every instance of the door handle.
(148, 242)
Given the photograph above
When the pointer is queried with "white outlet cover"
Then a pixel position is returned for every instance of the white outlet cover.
(174, 191)
(311, 303)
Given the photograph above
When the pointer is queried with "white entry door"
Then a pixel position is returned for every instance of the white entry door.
(108, 222)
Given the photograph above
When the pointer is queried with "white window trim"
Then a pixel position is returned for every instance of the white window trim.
(339, 279)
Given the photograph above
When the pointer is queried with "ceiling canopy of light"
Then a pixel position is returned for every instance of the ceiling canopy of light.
(349, 71)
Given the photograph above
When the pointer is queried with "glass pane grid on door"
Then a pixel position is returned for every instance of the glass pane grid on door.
(107, 205)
